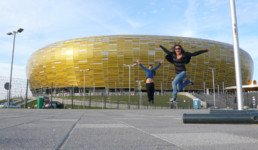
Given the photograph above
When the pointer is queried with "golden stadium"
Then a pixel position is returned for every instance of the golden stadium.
(60, 64)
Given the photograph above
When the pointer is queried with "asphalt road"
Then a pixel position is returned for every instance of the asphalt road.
(161, 129)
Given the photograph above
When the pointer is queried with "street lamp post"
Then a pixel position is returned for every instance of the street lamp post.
(129, 101)
(84, 71)
(240, 99)
(14, 35)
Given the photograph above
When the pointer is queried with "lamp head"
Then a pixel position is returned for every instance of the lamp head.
(9, 33)
(20, 30)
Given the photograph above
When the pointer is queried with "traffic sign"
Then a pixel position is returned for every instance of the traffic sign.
(6, 85)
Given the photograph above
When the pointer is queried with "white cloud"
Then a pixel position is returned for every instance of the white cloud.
(135, 24)
(154, 11)
(188, 33)
(247, 12)
(190, 16)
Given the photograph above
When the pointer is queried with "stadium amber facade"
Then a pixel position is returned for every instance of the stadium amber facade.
(61, 63)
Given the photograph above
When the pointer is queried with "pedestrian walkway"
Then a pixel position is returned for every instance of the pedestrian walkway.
(153, 129)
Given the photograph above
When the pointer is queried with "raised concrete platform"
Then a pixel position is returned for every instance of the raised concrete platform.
(119, 129)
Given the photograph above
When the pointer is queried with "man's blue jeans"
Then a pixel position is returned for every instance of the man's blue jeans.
(178, 83)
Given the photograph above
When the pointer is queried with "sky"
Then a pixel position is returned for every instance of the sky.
(50, 21)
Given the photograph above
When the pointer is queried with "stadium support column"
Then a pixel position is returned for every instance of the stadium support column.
(26, 95)
(129, 100)
(140, 92)
(72, 95)
(84, 87)
(223, 87)
(236, 56)
(51, 94)
(213, 84)
(203, 87)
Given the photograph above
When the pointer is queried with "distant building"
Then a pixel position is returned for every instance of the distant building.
(59, 64)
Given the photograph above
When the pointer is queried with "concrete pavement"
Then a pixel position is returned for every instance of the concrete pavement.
(158, 129)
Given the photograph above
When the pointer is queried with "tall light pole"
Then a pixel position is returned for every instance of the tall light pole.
(240, 99)
(129, 101)
(14, 35)
(84, 71)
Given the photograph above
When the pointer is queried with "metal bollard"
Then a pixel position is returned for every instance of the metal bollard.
(221, 111)
(222, 118)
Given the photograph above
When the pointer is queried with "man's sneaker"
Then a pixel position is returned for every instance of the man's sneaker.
(172, 100)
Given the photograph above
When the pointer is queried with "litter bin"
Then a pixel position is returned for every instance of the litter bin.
(39, 102)
(196, 104)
